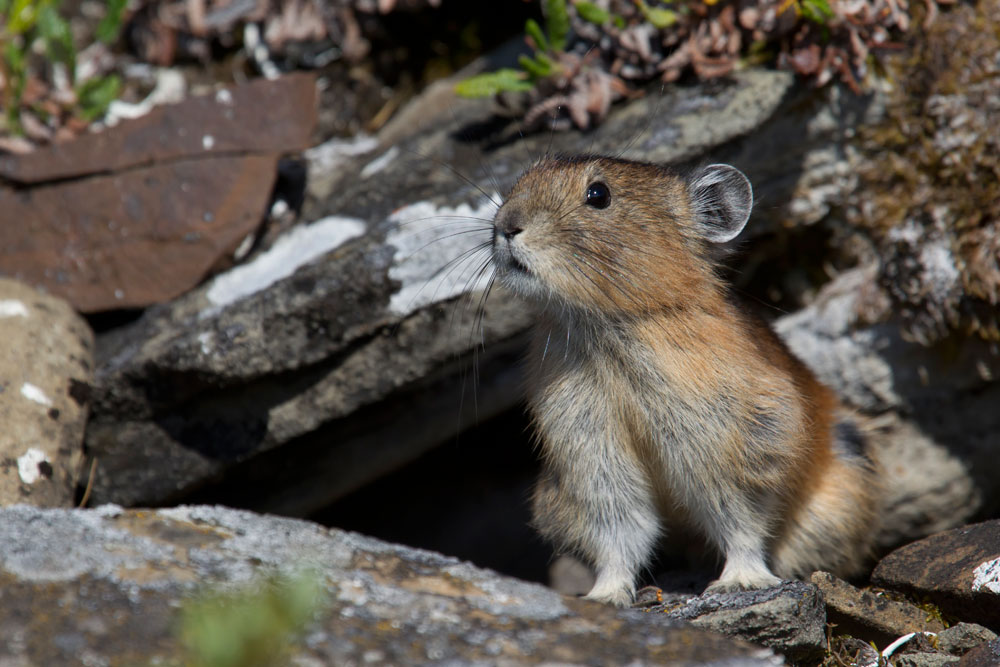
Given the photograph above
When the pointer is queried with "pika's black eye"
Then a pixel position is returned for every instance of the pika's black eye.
(598, 195)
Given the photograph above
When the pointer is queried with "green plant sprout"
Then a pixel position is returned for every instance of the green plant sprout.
(24, 23)
(546, 43)
(550, 43)
(660, 18)
(251, 626)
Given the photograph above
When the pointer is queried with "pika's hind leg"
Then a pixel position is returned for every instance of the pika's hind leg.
(833, 530)
(740, 531)
(745, 569)
(603, 512)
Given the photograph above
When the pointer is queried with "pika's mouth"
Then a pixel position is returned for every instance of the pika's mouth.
(505, 257)
(516, 265)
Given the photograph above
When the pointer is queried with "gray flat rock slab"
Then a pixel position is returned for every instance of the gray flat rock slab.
(107, 586)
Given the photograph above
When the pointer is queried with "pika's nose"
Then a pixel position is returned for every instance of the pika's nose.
(509, 226)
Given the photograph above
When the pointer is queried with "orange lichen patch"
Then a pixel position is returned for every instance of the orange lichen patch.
(170, 531)
(390, 570)
(383, 568)
(153, 574)
(441, 585)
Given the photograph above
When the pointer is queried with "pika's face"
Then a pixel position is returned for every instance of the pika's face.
(608, 235)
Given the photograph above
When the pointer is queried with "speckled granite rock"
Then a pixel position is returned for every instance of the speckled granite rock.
(789, 618)
(46, 366)
(104, 586)
(958, 570)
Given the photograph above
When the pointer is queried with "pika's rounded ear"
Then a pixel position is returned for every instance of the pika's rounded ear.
(721, 199)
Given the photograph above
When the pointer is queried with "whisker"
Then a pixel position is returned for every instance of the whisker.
(457, 173)
(524, 145)
(482, 163)
(481, 308)
(480, 272)
(447, 269)
(631, 298)
(649, 123)
(552, 133)
(404, 223)
(444, 237)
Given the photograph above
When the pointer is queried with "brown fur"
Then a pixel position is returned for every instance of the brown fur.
(654, 394)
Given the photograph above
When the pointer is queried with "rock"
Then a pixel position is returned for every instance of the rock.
(111, 586)
(144, 211)
(931, 425)
(961, 637)
(271, 116)
(162, 228)
(789, 618)
(918, 650)
(958, 570)
(868, 615)
(46, 367)
(279, 374)
(984, 655)
(925, 659)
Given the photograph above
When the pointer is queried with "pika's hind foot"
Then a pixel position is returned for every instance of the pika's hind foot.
(613, 586)
(744, 583)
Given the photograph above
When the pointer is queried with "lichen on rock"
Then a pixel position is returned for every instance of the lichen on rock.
(933, 178)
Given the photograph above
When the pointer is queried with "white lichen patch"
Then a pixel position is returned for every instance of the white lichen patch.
(436, 256)
(908, 233)
(939, 267)
(987, 577)
(34, 393)
(205, 339)
(13, 308)
(27, 465)
(331, 153)
(380, 163)
(297, 248)
(245, 246)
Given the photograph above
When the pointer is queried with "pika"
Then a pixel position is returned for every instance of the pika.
(655, 397)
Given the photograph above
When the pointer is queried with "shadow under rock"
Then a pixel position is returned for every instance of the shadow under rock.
(467, 498)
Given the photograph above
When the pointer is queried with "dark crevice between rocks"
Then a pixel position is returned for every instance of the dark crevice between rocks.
(310, 472)
(468, 498)
(113, 319)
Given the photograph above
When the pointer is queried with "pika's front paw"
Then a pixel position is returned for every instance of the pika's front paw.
(745, 583)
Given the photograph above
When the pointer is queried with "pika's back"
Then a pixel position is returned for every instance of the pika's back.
(616, 236)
